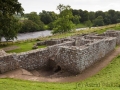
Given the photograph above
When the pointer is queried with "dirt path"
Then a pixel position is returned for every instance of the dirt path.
(9, 48)
(23, 74)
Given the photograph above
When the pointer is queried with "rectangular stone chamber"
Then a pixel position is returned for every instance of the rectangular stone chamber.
(75, 59)
(73, 55)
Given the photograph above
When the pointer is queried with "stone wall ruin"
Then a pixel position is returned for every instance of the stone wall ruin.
(73, 55)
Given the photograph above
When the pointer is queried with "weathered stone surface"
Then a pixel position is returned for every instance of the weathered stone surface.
(53, 42)
(35, 47)
(111, 33)
(56, 41)
(8, 63)
(73, 54)
(76, 59)
(82, 41)
(2, 52)
(40, 43)
(34, 59)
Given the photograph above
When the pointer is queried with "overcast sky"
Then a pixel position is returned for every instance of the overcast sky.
(50, 5)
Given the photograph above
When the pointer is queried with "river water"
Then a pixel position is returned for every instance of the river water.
(31, 35)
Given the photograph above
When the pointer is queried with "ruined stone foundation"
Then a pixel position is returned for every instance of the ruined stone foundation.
(73, 54)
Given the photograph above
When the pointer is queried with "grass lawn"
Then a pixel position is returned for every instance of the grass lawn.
(23, 47)
(80, 26)
(107, 79)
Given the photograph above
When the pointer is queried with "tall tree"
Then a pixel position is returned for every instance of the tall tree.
(99, 13)
(98, 21)
(29, 26)
(47, 17)
(88, 24)
(107, 19)
(36, 19)
(75, 12)
(76, 19)
(9, 26)
(64, 23)
(91, 16)
(84, 16)
(112, 16)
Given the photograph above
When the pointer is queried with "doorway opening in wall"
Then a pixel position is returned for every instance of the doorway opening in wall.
(52, 70)
(51, 64)
(57, 69)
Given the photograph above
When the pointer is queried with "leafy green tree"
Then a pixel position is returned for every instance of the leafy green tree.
(47, 17)
(76, 19)
(84, 16)
(9, 26)
(36, 19)
(91, 16)
(98, 21)
(118, 20)
(64, 23)
(112, 16)
(107, 19)
(29, 26)
(88, 23)
(51, 26)
(12, 28)
(99, 13)
(75, 12)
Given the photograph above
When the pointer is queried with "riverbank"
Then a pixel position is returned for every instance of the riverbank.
(28, 43)
(32, 35)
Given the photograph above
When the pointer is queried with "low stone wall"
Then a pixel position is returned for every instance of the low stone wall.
(73, 56)
(82, 41)
(35, 59)
(94, 37)
(55, 48)
(76, 59)
(2, 52)
(8, 63)
(111, 33)
(55, 41)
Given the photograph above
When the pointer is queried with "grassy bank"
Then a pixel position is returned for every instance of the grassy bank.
(20, 46)
(80, 26)
(23, 47)
(106, 79)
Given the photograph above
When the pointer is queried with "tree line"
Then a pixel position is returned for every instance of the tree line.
(47, 19)
(67, 19)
